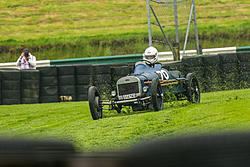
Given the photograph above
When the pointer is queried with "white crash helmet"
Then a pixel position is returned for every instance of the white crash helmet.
(151, 52)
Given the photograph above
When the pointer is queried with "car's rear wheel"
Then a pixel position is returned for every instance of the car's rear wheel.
(95, 103)
(193, 88)
(156, 95)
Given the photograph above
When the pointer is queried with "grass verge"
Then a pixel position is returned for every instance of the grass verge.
(71, 121)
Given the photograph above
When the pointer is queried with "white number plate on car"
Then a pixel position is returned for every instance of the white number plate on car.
(129, 96)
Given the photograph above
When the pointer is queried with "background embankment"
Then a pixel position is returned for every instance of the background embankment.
(71, 29)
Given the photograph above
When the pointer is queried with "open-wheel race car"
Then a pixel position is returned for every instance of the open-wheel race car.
(146, 88)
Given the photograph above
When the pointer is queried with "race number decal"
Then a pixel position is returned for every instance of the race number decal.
(164, 75)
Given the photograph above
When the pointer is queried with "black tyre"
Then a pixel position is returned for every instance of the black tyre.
(6, 101)
(101, 69)
(211, 60)
(83, 79)
(29, 100)
(66, 80)
(10, 85)
(49, 99)
(81, 97)
(94, 103)
(47, 71)
(30, 74)
(0, 91)
(193, 88)
(84, 69)
(30, 84)
(30, 93)
(49, 81)
(66, 70)
(11, 75)
(156, 95)
(67, 89)
(48, 90)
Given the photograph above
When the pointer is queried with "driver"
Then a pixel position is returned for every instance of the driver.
(150, 57)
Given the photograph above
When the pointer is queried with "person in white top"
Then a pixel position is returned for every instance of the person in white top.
(26, 60)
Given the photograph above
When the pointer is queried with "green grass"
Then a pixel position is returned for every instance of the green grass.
(71, 121)
(58, 29)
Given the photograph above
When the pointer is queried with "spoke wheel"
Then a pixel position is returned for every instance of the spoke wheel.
(193, 89)
(156, 95)
(95, 103)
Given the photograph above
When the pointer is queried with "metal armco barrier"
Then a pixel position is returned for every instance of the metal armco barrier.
(99, 60)
(41, 63)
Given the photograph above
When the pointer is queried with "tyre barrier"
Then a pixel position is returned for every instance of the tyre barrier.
(194, 64)
(0, 89)
(71, 83)
(66, 83)
(101, 78)
(244, 69)
(230, 71)
(11, 90)
(212, 73)
(48, 85)
(212, 78)
(30, 84)
(119, 71)
(172, 66)
(83, 81)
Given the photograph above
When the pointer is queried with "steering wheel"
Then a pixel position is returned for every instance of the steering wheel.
(148, 62)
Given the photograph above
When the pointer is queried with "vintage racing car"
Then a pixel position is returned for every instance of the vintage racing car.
(146, 88)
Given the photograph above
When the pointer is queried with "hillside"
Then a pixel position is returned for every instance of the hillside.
(218, 112)
(83, 28)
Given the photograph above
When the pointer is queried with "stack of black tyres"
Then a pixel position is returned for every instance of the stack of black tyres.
(244, 69)
(30, 86)
(83, 81)
(118, 71)
(230, 71)
(66, 83)
(11, 81)
(173, 66)
(212, 73)
(194, 64)
(48, 85)
(0, 88)
(101, 78)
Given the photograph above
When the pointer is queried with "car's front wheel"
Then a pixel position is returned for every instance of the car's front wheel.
(156, 95)
(95, 103)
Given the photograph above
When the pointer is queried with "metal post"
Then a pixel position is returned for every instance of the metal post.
(186, 37)
(149, 25)
(196, 29)
(168, 43)
(176, 22)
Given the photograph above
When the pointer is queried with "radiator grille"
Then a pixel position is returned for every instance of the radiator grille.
(128, 88)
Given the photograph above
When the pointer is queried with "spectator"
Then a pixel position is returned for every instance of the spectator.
(26, 60)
